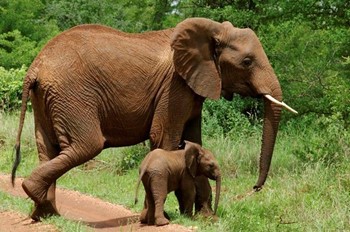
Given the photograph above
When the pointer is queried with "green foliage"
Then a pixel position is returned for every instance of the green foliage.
(310, 66)
(224, 118)
(129, 16)
(16, 49)
(22, 31)
(259, 13)
(72, 13)
(132, 156)
(323, 139)
(26, 16)
(11, 88)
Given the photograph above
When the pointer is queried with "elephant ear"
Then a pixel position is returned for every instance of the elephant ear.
(192, 152)
(194, 55)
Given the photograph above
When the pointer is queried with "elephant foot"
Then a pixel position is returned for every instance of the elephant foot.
(43, 210)
(206, 214)
(143, 217)
(161, 221)
(34, 190)
(205, 211)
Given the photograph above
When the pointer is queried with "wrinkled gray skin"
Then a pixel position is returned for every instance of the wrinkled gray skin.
(164, 171)
(93, 87)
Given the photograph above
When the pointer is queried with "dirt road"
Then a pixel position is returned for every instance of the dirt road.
(95, 213)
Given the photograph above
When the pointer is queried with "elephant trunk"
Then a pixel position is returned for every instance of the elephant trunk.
(270, 128)
(217, 193)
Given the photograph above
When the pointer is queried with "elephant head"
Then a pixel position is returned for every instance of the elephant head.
(219, 59)
(200, 161)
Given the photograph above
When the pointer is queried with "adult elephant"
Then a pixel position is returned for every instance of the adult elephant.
(93, 87)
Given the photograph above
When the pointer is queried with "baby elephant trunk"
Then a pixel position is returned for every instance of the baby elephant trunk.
(217, 193)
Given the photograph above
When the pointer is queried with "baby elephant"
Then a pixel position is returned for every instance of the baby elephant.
(164, 171)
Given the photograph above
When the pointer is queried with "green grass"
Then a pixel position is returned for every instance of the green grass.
(308, 188)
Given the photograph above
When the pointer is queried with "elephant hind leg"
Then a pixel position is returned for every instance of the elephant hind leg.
(144, 213)
(47, 150)
(159, 191)
(43, 178)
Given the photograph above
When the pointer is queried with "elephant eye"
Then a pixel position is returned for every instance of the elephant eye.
(247, 62)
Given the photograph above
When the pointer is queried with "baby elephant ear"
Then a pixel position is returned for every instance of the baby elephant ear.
(194, 48)
(191, 155)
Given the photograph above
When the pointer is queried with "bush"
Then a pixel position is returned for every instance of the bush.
(11, 88)
(231, 118)
(321, 139)
(132, 156)
(16, 50)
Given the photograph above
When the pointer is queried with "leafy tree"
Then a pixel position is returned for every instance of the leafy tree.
(71, 13)
(130, 16)
(16, 49)
(311, 66)
(11, 88)
(22, 31)
(26, 16)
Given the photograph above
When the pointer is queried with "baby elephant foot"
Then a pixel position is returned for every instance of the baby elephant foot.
(43, 210)
(161, 221)
(36, 191)
(144, 216)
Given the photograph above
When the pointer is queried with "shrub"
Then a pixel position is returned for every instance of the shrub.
(11, 88)
(231, 118)
(132, 156)
(16, 49)
(321, 139)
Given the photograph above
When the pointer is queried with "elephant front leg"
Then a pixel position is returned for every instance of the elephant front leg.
(203, 196)
(180, 199)
(186, 197)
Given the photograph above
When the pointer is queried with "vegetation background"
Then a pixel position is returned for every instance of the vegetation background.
(308, 44)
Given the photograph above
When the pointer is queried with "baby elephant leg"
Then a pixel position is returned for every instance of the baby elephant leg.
(186, 197)
(159, 191)
(144, 213)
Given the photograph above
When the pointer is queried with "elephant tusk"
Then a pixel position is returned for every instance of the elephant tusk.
(280, 103)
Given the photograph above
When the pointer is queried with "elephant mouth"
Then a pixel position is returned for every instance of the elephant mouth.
(227, 95)
(215, 177)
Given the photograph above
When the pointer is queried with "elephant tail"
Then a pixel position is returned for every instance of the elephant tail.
(141, 173)
(28, 83)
